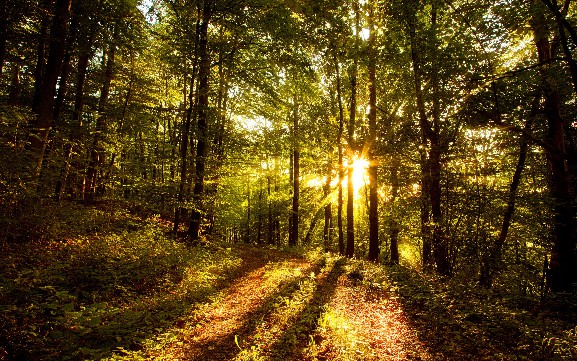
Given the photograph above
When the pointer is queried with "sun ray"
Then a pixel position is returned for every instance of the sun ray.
(360, 166)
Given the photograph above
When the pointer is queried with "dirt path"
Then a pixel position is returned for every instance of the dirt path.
(283, 307)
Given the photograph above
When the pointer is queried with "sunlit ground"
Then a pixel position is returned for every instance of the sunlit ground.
(365, 323)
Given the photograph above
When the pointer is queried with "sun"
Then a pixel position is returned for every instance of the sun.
(360, 166)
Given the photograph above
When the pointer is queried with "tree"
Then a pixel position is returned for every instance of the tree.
(373, 185)
(39, 129)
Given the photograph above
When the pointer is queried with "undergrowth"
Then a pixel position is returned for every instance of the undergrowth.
(99, 285)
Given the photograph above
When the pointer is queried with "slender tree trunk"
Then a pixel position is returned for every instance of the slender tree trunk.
(63, 82)
(3, 32)
(276, 220)
(259, 239)
(425, 210)
(186, 132)
(201, 151)
(393, 223)
(248, 215)
(218, 140)
(97, 151)
(327, 229)
(563, 265)
(373, 186)
(341, 238)
(41, 51)
(350, 247)
(83, 60)
(433, 170)
(270, 225)
(40, 128)
(294, 231)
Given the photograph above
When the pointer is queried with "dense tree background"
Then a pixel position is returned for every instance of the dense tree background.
(438, 134)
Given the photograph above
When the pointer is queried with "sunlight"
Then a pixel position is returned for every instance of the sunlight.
(359, 166)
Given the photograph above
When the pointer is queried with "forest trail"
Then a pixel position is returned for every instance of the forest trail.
(283, 307)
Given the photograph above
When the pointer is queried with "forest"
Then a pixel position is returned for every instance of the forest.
(288, 180)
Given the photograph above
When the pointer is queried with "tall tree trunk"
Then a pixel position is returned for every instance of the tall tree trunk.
(276, 219)
(294, 230)
(218, 140)
(270, 225)
(82, 65)
(3, 32)
(393, 223)
(425, 209)
(341, 238)
(259, 239)
(41, 51)
(40, 128)
(248, 214)
(350, 248)
(563, 265)
(327, 229)
(189, 100)
(97, 151)
(202, 120)
(433, 162)
(373, 186)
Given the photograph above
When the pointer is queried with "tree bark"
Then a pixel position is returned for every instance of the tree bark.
(341, 238)
(41, 51)
(327, 229)
(3, 33)
(373, 185)
(350, 247)
(563, 265)
(97, 151)
(186, 132)
(82, 65)
(433, 170)
(294, 229)
(393, 224)
(40, 128)
(202, 120)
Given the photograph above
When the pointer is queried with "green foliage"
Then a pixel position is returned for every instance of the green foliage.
(108, 290)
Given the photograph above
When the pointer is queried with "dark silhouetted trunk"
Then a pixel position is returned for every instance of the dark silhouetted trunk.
(41, 51)
(40, 128)
(563, 266)
(294, 229)
(83, 60)
(202, 120)
(3, 32)
(328, 225)
(341, 238)
(184, 136)
(373, 185)
(432, 174)
(350, 247)
(393, 223)
(97, 151)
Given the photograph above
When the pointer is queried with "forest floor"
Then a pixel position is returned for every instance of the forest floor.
(111, 285)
